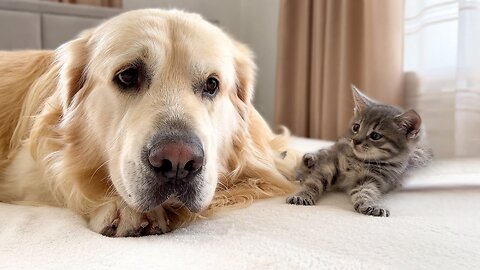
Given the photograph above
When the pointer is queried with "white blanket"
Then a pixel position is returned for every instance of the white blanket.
(434, 224)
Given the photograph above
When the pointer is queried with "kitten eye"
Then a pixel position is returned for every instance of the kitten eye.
(211, 87)
(355, 128)
(128, 78)
(375, 136)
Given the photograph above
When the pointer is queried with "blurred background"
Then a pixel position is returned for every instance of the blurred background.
(420, 54)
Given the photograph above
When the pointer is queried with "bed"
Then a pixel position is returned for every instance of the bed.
(434, 224)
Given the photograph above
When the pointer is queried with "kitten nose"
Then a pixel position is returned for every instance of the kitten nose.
(356, 142)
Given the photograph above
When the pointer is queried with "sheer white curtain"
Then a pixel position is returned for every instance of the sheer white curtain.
(442, 64)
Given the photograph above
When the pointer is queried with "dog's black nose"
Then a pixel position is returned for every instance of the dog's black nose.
(176, 159)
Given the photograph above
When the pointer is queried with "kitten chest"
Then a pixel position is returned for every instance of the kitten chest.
(350, 170)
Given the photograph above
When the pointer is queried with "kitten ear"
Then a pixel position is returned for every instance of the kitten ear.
(409, 122)
(361, 100)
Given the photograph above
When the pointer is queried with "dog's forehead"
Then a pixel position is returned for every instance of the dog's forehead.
(162, 35)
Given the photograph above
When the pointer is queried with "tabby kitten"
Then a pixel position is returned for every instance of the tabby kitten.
(384, 143)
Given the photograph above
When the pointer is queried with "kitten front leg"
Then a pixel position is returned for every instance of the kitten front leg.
(310, 192)
(318, 173)
(365, 198)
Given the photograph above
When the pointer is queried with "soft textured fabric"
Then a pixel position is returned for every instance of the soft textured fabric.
(326, 45)
(435, 224)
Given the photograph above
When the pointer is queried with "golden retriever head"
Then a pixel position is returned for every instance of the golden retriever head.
(160, 95)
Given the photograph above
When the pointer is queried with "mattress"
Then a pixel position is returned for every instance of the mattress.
(434, 224)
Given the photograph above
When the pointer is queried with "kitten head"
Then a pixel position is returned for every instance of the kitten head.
(382, 132)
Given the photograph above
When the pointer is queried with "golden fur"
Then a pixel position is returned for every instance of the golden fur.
(58, 134)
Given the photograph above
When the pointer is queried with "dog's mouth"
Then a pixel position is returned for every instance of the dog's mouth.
(145, 191)
(151, 194)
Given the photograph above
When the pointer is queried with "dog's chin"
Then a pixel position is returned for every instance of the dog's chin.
(185, 193)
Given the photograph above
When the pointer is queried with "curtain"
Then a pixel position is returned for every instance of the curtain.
(442, 63)
(326, 45)
(102, 3)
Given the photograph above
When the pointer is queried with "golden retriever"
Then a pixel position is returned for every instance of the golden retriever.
(150, 111)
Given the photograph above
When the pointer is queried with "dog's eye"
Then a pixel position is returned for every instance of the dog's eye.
(211, 87)
(128, 78)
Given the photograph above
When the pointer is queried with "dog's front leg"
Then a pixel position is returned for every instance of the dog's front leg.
(117, 219)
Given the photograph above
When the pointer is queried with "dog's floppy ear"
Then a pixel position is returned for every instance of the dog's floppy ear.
(72, 58)
(245, 70)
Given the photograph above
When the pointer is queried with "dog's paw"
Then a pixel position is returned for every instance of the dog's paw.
(372, 210)
(116, 219)
(300, 200)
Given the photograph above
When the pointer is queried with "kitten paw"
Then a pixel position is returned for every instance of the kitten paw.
(372, 210)
(299, 200)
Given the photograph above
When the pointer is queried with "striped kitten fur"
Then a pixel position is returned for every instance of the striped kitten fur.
(382, 145)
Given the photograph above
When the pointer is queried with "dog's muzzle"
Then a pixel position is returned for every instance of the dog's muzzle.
(174, 168)
(176, 159)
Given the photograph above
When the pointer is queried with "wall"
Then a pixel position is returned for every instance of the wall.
(253, 22)
(45, 25)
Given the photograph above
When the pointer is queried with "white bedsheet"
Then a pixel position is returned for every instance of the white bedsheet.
(435, 224)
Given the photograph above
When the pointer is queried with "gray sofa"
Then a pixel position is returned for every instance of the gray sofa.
(30, 24)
